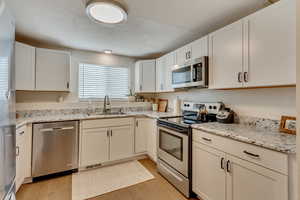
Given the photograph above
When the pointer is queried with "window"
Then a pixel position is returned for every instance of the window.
(97, 81)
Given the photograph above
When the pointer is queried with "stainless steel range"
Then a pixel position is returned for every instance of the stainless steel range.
(175, 143)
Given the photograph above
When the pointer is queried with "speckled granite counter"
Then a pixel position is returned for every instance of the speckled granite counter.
(66, 117)
(266, 138)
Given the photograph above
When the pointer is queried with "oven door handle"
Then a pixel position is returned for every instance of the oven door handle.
(172, 173)
(173, 129)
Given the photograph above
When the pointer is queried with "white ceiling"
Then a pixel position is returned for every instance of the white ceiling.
(153, 27)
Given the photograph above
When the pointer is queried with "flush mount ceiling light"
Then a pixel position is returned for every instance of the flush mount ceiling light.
(104, 11)
(107, 51)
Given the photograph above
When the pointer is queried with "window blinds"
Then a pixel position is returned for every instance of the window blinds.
(97, 81)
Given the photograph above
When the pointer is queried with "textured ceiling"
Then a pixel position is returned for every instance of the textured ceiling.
(153, 27)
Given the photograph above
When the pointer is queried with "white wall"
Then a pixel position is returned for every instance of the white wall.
(270, 103)
(78, 57)
(298, 91)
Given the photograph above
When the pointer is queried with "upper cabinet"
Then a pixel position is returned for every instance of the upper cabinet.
(256, 51)
(199, 47)
(52, 70)
(270, 52)
(226, 56)
(25, 66)
(41, 69)
(164, 67)
(184, 54)
(145, 73)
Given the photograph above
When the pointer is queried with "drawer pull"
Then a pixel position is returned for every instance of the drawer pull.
(21, 133)
(206, 139)
(251, 154)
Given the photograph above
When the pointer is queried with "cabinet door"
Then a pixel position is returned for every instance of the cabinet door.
(200, 48)
(141, 130)
(148, 80)
(52, 70)
(209, 178)
(121, 142)
(248, 181)
(152, 139)
(170, 62)
(183, 54)
(272, 45)
(138, 76)
(160, 74)
(20, 157)
(25, 66)
(226, 56)
(94, 146)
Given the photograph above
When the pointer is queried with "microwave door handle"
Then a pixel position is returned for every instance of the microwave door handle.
(194, 73)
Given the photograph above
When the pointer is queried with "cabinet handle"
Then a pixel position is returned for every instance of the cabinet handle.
(137, 123)
(251, 154)
(21, 133)
(239, 77)
(68, 85)
(206, 139)
(246, 76)
(107, 133)
(111, 133)
(141, 87)
(222, 163)
(17, 150)
(228, 166)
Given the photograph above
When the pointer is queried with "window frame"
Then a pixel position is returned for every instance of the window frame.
(125, 99)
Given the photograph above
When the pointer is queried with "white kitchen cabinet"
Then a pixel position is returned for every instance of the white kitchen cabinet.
(209, 177)
(248, 181)
(170, 63)
(52, 70)
(121, 142)
(21, 162)
(104, 140)
(145, 72)
(183, 54)
(271, 35)
(161, 74)
(200, 47)
(94, 146)
(25, 66)
(226, 57)
(235, 170)
(152, 139)
(141, 131)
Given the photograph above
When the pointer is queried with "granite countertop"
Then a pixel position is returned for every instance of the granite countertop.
(270, 139)
(66, 117)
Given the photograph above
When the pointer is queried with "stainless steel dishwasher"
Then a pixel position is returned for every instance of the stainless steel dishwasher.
(55, 148)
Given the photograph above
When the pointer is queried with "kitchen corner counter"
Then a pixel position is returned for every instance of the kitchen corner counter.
(269, 139)
(68, 117)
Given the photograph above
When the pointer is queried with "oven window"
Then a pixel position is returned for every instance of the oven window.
(182, 75)
(171, 144)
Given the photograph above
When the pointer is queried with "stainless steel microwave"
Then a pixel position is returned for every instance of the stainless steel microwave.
(191, 74)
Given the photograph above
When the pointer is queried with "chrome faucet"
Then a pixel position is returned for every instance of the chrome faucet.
(106, 106)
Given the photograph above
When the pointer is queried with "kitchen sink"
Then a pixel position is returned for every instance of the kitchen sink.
(108, 113)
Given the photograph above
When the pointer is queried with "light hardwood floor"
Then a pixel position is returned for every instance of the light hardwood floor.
(61, 189)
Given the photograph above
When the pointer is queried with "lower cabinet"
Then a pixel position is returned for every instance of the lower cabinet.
(209, 177)
(152, 139)
(140, 137)
(103, 141)
(95, 146)
(249, 181)
(218, 176)
(121, 142)
(20, 158)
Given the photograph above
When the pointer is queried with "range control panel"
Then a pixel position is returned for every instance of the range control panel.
(212, 108)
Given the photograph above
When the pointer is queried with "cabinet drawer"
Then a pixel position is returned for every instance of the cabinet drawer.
(270, 159)
(101, 123)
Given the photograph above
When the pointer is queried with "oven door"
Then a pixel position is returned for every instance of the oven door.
(173, 149)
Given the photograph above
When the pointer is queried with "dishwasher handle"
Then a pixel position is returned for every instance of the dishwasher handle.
(56, 129)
